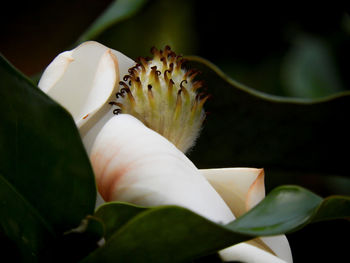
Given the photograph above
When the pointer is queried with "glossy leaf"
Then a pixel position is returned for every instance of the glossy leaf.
(250, 128)
(41, 154)
(164, 234)
(116, 12)
(175, 234)
(293, 207)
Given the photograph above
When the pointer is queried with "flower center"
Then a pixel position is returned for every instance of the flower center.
(162, 94)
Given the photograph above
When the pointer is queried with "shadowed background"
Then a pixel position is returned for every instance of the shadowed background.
(289, 50)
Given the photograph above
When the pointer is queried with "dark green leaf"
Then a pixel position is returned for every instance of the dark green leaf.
(116, 12)
(41, 153)
(22, 224)
(115, 214)
(250, 128)
(292, 207)
(334, 207)
(174, 234)
(164, 234)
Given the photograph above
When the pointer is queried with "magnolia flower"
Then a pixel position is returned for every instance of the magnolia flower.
(137, 156)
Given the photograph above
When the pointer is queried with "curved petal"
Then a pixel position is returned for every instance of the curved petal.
(280, 247)
(54, 72)
(241, 188)
(84, 80)
(124, 63)
(90, 131)
(86, 83)
(244, 252)
(132, 163)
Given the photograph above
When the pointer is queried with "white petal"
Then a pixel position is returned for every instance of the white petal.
(241, 188)
(280, 246)
(124, 63)
(90, 131)
(85, 84)
(248, 253)
(103, 87)
(99, 201)
(135, 164)
(55, 70)
(84, 80)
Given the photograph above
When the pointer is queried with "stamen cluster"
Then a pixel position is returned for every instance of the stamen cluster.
(163, 94)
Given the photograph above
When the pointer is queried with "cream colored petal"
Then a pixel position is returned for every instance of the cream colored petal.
(132, 163)
(55, 70)
(86, 83)
(241, 188)
(103, 88)
(84, 80)
(280, 247)
(247, 253)
(93, 127)
(124, 63)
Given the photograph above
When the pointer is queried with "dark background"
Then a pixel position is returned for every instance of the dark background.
(288, 50)
(263, 47)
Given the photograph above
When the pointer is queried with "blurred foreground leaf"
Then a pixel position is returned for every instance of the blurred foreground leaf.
(251, 128)
(174, 234)
(116, 12)
(47, 184)
(22, 224)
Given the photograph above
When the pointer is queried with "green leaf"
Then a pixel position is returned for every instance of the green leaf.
(116, 214)
(116, 12)
(175, 234)
(41, 153)
(22, 224)
(250, 128)
(293, 207)
(333, 207)
(164, 234)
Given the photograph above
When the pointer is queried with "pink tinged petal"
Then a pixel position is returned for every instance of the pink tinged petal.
(248, 253)
(256, 191)
(132, 163)
(241, 188)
